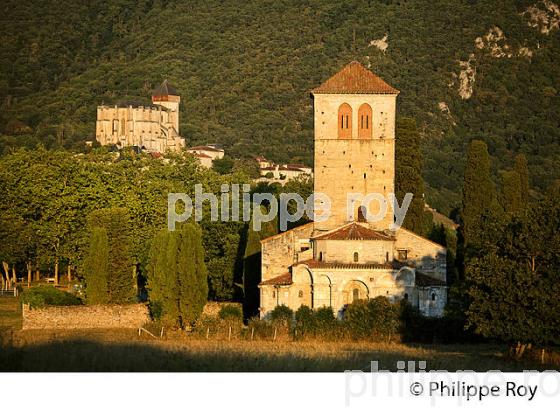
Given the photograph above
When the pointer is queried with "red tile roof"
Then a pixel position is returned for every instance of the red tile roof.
(355, 232)
(355, 79)
(424, 280)
(281, 280)
(204, 148)
(313, 263)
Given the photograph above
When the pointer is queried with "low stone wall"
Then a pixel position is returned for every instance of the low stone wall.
(213, 308)
(85, 317)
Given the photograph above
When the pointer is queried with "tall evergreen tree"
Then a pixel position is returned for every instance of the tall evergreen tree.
(96, 267)
(408, 175)
(512, 197)
(252, 264)
(479, 193)
(177, 275)
(120, 276)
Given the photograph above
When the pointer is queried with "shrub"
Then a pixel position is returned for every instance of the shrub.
(231, 313)
(324, 319)
(305, 322)
(282, 315)
(372, 318)
(48, 296)
(261, 329)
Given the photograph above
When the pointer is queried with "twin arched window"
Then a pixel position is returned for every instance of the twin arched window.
(365, 118)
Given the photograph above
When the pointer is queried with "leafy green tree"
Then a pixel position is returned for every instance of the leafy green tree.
(513, 285)
(177, 276)
(223, 165)
(522, 170)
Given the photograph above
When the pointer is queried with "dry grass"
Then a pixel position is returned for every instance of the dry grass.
(125, 350)
(10, 313)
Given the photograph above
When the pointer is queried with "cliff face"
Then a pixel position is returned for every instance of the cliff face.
(246, 70)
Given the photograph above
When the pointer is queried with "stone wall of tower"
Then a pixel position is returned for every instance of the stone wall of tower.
(354, 165)
(171, 102)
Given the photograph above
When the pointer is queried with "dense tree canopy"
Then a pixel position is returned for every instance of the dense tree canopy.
(244, 71)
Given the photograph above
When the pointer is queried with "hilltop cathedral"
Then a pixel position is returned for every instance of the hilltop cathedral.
(154, 128)
(337, 261)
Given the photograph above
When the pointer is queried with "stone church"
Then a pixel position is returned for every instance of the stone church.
(154, 128)
(345, 258)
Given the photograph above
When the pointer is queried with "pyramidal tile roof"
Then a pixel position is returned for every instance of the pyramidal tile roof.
(354, 232)
(354, 78)
(164, 89)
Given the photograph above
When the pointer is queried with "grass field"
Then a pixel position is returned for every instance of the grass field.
(125, 350)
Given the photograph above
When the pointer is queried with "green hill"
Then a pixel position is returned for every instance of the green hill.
(244, 71)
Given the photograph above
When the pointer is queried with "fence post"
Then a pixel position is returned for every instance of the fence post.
(229, 334)
(252, 333)
(274, 334)
(207, 332)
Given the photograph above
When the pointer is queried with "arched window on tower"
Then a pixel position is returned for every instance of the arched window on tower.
(356, 257)
(364, 118)
(345, 121)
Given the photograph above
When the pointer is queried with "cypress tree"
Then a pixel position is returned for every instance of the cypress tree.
(511, 198)
(96, 267)
(479, 193)
(177, 276)
(120, 278)
(408, 175)
(252, 264)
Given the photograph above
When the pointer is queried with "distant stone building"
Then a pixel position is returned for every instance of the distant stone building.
(345, 258)
(286, 172)
(154, 127)
(263, 162)
(206, 154)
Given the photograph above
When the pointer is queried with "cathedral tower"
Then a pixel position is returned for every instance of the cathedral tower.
(354, 115)
(168, 97)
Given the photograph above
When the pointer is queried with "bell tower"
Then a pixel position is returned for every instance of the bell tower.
(354, 121)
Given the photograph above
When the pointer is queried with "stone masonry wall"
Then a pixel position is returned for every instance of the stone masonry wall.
(85, 317)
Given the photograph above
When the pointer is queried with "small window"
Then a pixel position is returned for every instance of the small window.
(433, 297)
(406, 296)
(403, 254)
(386, 256)
(321, 256)
(300, 293)
(355, 294)
(356, 256)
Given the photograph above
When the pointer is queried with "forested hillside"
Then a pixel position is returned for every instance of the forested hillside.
(466, 69)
